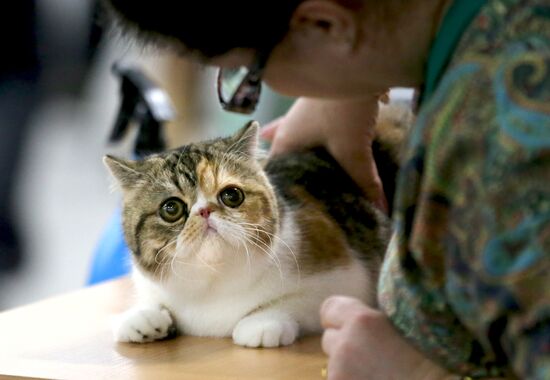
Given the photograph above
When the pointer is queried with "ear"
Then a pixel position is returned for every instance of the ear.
(125, 171)
(326, 19)
(246, 140)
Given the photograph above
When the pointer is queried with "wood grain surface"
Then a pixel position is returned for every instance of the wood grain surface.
(69, 337)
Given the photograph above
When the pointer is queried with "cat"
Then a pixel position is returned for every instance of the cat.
(226, 245)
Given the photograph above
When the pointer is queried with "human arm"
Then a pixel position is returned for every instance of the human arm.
(500, 207)
(344, 127)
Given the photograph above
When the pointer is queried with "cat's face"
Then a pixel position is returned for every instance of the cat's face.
(200, 205)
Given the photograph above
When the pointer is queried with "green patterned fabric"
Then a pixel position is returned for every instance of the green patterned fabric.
(467, 275)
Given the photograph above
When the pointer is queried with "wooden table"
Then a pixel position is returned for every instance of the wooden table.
(69, 337)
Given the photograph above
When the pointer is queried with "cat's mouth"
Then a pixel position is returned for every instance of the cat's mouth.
(209, 227)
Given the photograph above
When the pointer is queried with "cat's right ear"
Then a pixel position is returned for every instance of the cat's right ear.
(246, 141)
(125, 171)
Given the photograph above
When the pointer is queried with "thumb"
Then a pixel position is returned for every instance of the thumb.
(361, 167)
(269, 130)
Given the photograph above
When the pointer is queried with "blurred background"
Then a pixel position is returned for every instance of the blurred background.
(58, 102)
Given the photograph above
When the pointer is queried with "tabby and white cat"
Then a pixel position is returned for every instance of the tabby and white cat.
(225, 246)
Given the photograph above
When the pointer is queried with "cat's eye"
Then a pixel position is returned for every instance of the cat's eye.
(172, 210)
(232, 196)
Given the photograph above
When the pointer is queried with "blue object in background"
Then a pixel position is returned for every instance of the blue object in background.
(112, 256)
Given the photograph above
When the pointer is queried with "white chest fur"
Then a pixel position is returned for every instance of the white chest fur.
(215, 309)
(252, 288)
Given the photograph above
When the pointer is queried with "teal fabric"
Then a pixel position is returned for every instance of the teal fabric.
(455, 22)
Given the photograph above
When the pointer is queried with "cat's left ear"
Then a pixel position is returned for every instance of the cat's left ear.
(125, 171)
(246, 140)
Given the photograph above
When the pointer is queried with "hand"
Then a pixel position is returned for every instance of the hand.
(344, 127)
(363, 344)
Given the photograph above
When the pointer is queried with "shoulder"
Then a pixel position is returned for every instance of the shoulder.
(484, 137)
(509, 40)
(502, 23)
(499, 76)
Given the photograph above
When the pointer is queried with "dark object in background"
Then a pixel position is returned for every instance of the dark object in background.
(144, 104)
(19, 72)
(35, 65)
(19, 40)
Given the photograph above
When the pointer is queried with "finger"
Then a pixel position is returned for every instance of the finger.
(361, 167)
(382, 203)
(269, 130)
(329, 339)
(337, 309)
(292, 141)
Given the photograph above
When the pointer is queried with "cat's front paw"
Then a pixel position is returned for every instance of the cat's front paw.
(265, 332)
(144, 325)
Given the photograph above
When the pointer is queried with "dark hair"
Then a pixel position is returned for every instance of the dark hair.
(210, 28)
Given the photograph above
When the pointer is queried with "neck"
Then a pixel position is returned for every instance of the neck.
(405, 38)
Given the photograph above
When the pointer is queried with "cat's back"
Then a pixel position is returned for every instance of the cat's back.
(337, 223)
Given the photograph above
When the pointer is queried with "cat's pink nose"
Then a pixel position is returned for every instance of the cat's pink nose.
(205, 212)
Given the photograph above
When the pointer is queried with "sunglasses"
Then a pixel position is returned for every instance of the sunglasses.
(239, 89)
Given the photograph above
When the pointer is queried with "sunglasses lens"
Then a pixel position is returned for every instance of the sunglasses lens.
(230, 81)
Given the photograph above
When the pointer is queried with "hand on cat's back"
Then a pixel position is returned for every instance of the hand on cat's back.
(344, 129)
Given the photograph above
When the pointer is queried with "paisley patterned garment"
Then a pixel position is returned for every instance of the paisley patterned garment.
(467, 276)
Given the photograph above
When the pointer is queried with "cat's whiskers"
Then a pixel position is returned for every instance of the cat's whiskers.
(268, 247)
(248, 259)
(238, 234)
(203, 264)
(251, 235)
(161, 263)
(271, 258)
(175, 262)
(172, 269)
(166, 246)
(258, 228)
(212, 268)
(163, 270)
(271, 255)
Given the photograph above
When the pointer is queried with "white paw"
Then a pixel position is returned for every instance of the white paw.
(264, 332)
(144, 325)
